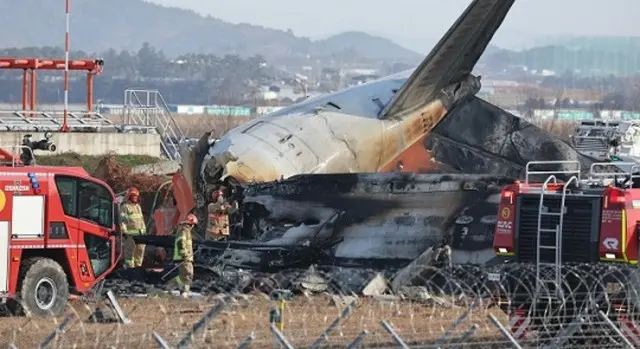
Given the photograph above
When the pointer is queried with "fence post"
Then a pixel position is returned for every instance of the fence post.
(345, 312)
(617, 330)
(354, 344)
(440, 341)
(468, 333)
(212, 313)
(56, 332)
(394, 335)
(629, 328)
(504, 331)
(160, 341)
(116, 307)
(245, 344)
(280, 337)
(562, 337)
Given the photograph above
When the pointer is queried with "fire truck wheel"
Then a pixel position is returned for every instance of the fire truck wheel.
(45, 289)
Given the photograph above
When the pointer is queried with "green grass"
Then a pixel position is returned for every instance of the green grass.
(90, 163)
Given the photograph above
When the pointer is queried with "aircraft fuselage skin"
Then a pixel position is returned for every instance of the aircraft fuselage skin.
(341, 133)
(338, 133)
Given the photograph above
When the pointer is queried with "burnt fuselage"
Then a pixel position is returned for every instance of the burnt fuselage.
(375, 219)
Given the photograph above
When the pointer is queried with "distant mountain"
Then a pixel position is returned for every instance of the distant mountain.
(368, 46)
(98, 25)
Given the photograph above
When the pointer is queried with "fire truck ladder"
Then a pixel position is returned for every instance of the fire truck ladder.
(549, 274)
(147, 108)
(555, 277)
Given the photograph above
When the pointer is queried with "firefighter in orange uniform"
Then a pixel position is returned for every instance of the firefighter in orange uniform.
(183, 254)
(218, 216)
(132, 224)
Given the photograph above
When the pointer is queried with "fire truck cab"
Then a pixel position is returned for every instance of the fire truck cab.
(58, 235)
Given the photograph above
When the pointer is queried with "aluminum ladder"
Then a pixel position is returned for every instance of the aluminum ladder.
(555, 279)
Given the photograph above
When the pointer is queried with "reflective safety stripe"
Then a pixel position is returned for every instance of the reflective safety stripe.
(178, 280)
(134, 231)
(177, 254)
(15, 247)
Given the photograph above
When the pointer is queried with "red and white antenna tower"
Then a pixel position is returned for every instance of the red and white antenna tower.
(66, 66)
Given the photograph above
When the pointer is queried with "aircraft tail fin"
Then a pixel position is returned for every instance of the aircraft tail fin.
(453, 57)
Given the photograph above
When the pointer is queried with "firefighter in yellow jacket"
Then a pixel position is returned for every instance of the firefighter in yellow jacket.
(183, 254)
(132, 224)
(218, 216)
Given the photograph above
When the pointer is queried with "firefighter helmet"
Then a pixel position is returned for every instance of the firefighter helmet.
(217, 194)
(190, 219)
(133, 194)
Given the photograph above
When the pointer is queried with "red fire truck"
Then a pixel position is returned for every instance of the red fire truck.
(58, 234)
(551, 230)
(595, 216)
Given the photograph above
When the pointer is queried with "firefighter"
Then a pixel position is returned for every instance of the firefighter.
(183, 254)
(132, 224)
(218, 216)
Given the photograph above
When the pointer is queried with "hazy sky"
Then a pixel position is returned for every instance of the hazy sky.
(417, 23)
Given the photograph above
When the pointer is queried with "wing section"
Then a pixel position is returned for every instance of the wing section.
(453, 58)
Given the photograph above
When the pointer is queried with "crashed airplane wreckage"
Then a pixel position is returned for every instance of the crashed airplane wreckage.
(379, 175)
(359, 220)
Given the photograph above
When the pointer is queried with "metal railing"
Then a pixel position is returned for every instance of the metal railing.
(600, 173)
(574, 172)
(41, 121)
(148, 108)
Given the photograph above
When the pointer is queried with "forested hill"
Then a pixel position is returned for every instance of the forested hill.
(98, 25)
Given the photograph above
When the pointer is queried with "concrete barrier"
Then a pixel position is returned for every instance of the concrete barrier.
(91, 143)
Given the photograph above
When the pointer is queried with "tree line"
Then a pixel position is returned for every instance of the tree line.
(230, 79)
(187, 79)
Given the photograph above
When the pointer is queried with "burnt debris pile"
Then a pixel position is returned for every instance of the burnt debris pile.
(433, 284)
(375, 220)
(374, 233)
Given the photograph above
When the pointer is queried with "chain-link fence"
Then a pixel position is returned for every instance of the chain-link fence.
(461, 307)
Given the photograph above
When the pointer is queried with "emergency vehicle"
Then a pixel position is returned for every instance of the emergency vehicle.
(58, 234)
(590, 223)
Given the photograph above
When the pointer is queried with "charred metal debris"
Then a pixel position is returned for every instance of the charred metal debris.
(330, 231)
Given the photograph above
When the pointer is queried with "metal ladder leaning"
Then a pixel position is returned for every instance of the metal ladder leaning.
(556, 279)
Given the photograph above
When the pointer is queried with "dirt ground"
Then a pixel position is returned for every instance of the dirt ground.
(305, 319)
